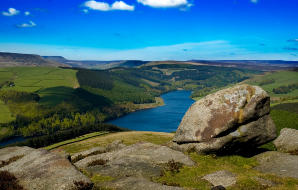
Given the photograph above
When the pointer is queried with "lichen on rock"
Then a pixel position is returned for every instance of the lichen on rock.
(228, 120)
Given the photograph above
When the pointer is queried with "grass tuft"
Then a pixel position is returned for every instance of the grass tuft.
(11, 160)
(99, 162)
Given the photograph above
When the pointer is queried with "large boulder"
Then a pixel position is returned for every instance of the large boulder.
(287, 141)
(41, 169)
(227, 120)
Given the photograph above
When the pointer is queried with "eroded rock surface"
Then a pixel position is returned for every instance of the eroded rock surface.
(138, 183)
(281, 164)
(140, 161)
(227, 120)
(41, 169)
(221, 178)
(287, 141)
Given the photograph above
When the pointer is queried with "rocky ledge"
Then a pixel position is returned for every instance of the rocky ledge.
(41, 169)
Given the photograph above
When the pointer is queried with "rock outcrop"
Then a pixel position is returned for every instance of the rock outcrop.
(281, 164)
(41, 169)
(115, 145)
(228, 120)
(287, 141)
(137, 183)
(140, 161)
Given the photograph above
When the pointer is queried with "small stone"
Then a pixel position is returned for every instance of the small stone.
(221, 178)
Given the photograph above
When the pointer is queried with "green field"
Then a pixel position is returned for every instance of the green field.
(5, 115)
(48, 82)
(77, 139)
(275, 80)
(34, 79)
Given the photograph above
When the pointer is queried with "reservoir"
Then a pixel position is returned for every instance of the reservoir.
(165, 118)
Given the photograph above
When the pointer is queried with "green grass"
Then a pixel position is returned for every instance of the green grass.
(5, 76)
(49, 82)
(127, 137)
(279, 78)
(34, 79)
(5, 114)
(77, 139)
(284, 119)
(191, 177)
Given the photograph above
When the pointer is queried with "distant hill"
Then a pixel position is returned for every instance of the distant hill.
(93, 64)
(264, 65)
(17, 59)
(59, 59)
(80, 63)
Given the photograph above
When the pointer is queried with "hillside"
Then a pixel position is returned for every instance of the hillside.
(16, 59)
(43, 100)
(281, 85)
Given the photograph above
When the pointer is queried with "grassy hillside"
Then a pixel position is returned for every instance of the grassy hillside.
(5, 114)
(39, 80)
(275, 80)
(47, 100)
(33, 79)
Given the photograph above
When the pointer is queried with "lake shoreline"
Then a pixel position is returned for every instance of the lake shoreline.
(175, 104)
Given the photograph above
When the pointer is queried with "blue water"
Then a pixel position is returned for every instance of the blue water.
(12, 140)
(161, 119)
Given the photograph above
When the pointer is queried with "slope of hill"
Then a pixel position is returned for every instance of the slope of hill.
(16, 59)
(262, 65)
(281, 85)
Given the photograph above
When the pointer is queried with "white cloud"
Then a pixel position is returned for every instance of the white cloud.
(99, 6)
(102, 6)
(11, 12)
(27, 25)
(27, 13)
(120, 5)
(254, 1)
(165, 3)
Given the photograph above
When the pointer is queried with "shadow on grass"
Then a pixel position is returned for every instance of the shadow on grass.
(78, 98)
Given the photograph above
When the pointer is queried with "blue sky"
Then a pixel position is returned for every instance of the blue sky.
(151, 29)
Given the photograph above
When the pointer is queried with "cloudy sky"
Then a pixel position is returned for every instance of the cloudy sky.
(151, 29)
